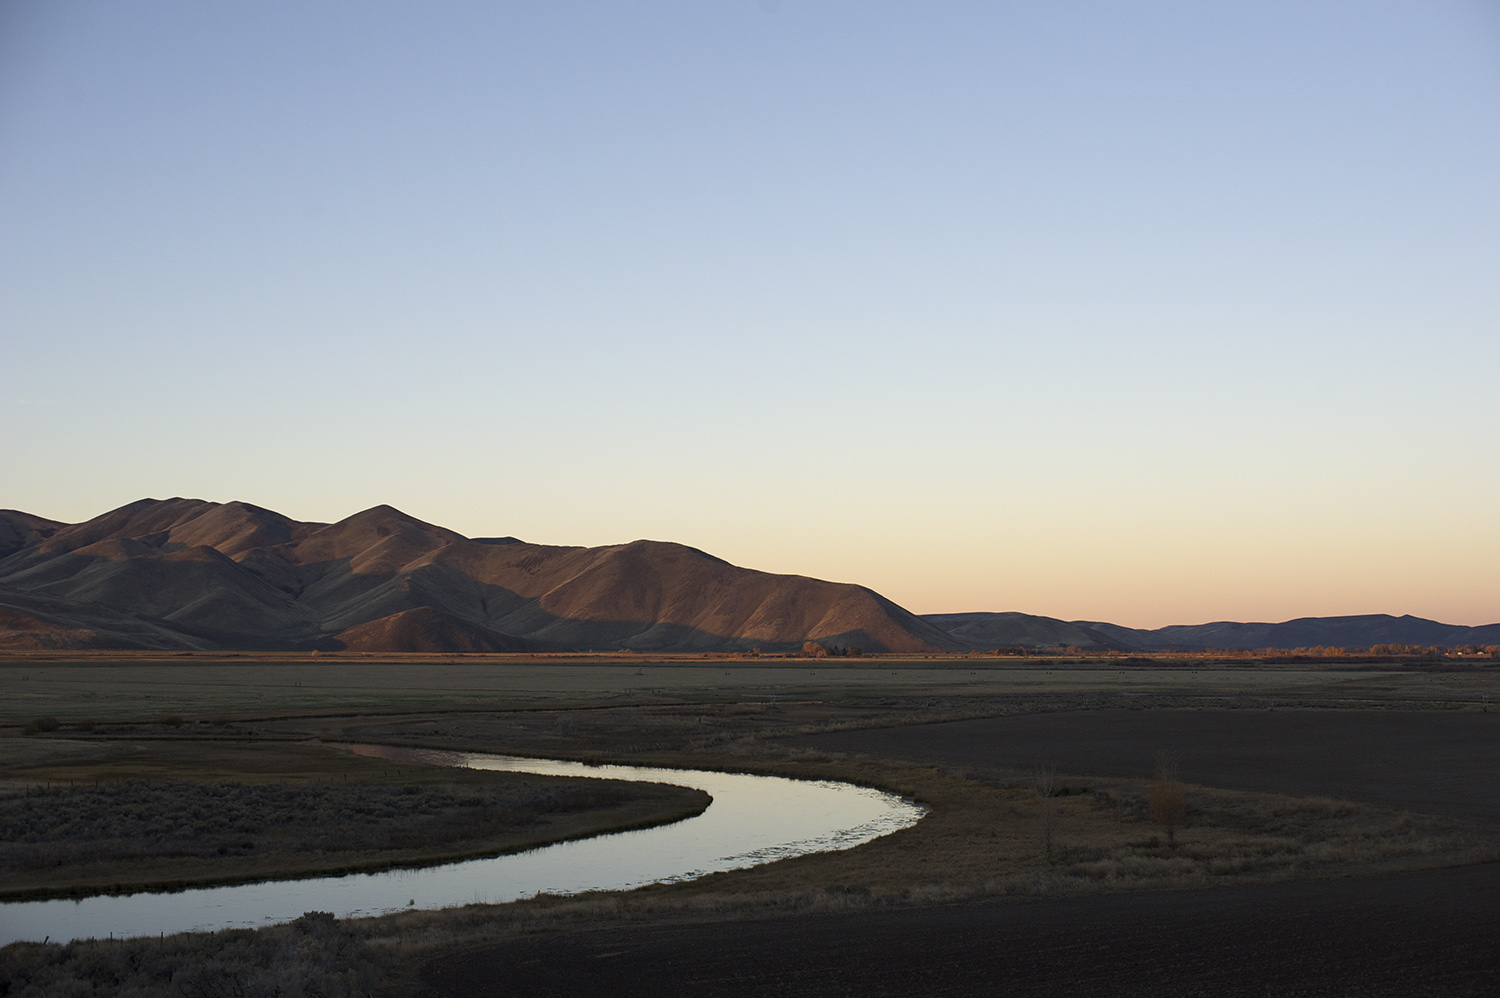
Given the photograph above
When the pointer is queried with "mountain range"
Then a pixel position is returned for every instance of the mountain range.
(1358, 631)
(185, 574)
(189, 574)
(1023, 630)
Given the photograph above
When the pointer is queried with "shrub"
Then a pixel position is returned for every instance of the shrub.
(41, 724)
(1168, 799)
(312, 957)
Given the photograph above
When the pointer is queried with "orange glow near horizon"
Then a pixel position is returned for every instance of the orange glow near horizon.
(1093, 312)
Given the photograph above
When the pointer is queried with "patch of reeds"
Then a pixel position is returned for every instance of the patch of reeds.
(312, 957)
(61, 825)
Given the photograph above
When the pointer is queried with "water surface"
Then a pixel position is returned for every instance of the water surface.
(752, 820)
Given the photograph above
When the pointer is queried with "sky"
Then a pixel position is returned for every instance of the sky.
(1147, 312)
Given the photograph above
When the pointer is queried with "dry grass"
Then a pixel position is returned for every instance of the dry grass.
(984, 839)
(312, 957)
(985, 836)
(107, 686)
(139, 815)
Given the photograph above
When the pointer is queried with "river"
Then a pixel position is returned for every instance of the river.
(752, 820)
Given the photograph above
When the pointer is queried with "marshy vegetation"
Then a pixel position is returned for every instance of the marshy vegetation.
(312, 957)
(60, 826)
(111, 815)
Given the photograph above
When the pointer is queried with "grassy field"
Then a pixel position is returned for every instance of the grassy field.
(990, 832)
(115, 686)
(252, 721)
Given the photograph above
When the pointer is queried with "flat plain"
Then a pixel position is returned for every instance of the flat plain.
(1330, 804)
(83, 685)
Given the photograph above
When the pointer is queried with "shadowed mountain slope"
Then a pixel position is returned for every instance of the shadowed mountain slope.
(184, 573)
(28, 621)
(19, 530)
(1020, 630)
(429, 630)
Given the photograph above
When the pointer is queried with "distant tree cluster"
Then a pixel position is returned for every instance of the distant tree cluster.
(1053, 651)
(1436, 651)
(1395, 649)
(816, 649)
(1316, 651)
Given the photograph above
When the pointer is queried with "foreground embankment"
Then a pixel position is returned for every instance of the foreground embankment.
(1425, 933)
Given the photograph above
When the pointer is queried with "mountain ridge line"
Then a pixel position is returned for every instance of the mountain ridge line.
(188, 574)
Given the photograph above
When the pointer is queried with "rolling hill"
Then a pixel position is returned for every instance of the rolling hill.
(190, 574)
(1021, 630)
(1358, 631)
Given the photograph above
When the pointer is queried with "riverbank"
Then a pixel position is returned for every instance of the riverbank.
(987, 840)
(983, 843)
(105, 816)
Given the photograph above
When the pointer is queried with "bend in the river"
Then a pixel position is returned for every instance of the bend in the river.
(752, 820)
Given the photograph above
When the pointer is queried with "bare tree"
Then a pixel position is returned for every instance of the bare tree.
(1044, 782)
(1168, 798)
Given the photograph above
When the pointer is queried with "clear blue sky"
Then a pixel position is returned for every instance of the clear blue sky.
(1141, 311)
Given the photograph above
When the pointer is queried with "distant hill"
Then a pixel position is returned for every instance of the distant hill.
(1021, 630)
(189, 574)
(1363, 631)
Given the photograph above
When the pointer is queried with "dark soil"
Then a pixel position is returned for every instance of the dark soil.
(1426, 933)
(1442, 762)
(1434, 932)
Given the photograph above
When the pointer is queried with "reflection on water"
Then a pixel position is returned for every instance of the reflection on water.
(752, 820)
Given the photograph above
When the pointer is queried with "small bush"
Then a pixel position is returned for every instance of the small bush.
(41, 724)
(1168, 799)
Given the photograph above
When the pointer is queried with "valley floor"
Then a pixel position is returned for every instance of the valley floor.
(1341, 836)
(1427, 933)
